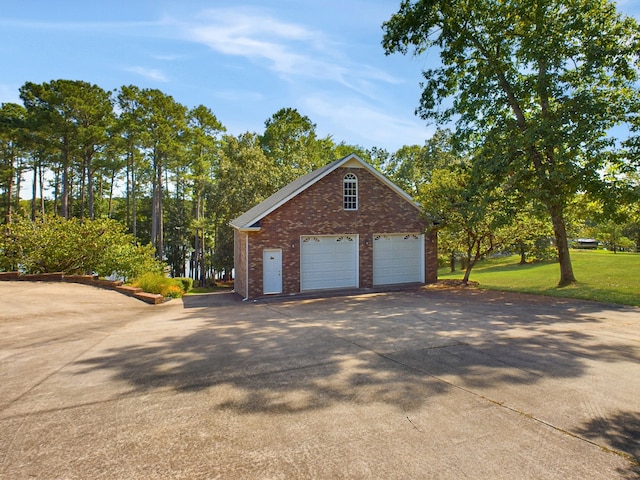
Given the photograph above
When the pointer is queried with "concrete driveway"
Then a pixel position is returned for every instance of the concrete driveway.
(425, 383)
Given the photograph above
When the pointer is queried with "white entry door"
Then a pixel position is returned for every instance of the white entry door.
(272, 270)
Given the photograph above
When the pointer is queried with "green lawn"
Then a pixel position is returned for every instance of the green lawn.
(602, 276)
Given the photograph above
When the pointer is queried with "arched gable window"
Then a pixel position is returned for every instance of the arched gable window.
(350, 192)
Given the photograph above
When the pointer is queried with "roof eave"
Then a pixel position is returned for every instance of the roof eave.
(245, 228)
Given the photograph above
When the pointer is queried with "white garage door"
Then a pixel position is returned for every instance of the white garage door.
(328, 262)
(398, 258)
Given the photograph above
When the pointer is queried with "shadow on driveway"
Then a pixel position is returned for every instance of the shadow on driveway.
(402, 349)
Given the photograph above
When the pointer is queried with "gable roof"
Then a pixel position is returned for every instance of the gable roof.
(248, 220)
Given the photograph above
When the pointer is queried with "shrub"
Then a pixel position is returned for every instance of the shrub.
(158, 283)
(55, 244)
(172, 291)
(187, 283)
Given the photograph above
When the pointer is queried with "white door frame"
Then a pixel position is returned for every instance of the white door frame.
(272, 271)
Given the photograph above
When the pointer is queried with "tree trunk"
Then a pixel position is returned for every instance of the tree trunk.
(471, 261)
(195, 263)
(18, 184)
(9, 190)
(134, 204)
(154, 216)
(41, 184)
(203, 272)
(156, 219)
(111, 185)
(160, 220)
(64, 200)
(523, 254)
(56, 191)
(128, 192)
(90, 192)
(83, 198)
(34, 191)
(562, 244)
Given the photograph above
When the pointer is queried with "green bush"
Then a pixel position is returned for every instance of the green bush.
(74, 246)
(187, 283)
(158, 283)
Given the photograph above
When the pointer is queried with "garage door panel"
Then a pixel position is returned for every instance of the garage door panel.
(328, 262)
(398, 258)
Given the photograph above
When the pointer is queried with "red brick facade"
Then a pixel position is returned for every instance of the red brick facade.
(318, 210)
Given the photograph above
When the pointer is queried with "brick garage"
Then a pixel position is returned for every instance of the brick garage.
(344, 225)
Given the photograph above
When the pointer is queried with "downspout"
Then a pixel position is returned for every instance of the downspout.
(423, 268)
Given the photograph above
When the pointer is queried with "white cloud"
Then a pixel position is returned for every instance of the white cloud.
(355, 119)
(254, 35)
(150, 73)
(289, 49)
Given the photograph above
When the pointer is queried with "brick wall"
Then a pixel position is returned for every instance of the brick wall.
(318, 211)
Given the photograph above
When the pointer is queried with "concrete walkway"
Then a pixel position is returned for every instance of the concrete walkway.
(425, 383)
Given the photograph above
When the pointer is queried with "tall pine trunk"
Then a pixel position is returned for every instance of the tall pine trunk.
(34, 190)
(64, 199)
(156, 209)
(90, 192)
(9, 190)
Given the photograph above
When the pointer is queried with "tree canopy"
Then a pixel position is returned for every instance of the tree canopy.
(534, 87)
(169, 174)
(173, 178)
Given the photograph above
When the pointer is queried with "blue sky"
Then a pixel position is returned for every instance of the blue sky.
(243, 59)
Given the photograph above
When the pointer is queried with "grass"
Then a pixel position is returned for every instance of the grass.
(218, 287)
(602, 276)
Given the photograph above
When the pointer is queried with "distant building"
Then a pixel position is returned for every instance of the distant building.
(586, 243)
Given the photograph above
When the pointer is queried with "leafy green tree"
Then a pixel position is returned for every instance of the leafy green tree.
(410, 167)
(343, 149)
(290, 142)
(243, 178)
(531, 233)
(94, 115)
(537, 85)
(129, 131)
(12, 152)
(74, 116)
(203, 152)
(470, 216)
(612, 236)
(405, 169)
(162, 124)
(47, 115)
(611, 225)
(632, 230)
(629, 208)
(54, 244)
